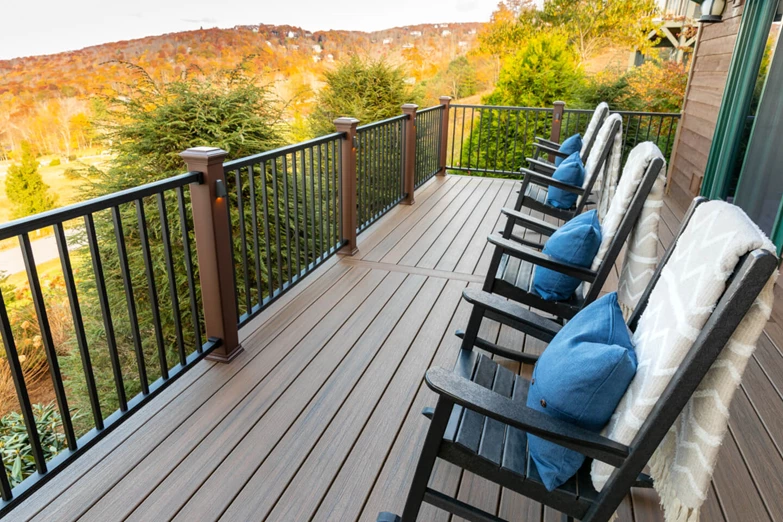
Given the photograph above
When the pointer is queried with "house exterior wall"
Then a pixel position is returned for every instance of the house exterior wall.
(703, 95)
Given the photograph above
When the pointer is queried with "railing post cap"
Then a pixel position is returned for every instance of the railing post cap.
(445, 99)
(211, 154)
(409, 107)
(345, 121)
(560, 103)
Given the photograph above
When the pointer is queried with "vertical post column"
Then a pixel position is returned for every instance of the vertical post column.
(444, 134)
(557, 122)
(409, 153)
(214, 249)
(348, 207)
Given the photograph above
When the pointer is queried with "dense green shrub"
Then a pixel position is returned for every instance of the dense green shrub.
(363, 89)
(15, 443)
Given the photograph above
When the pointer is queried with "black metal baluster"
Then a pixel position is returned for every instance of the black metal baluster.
(321, 203)
(497, 140)
(470, 139)
(175, 312)
(267, 238)
(660, 127)
(335, 197)
(119, 235)
(15, 366)
(103, 299)
(251, 176)
(194, 309)
(312, 207)
(669, 137)
(46, 338)
(305, 239)
(151, 288)
(76, 315)
(296, 215)
(277, 226)
(516, 139)
(287, 200)
(242, 240)
(328, 198)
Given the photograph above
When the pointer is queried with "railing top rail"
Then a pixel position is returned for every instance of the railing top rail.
(433, 108)
(638, 113)
(382, 122)
(288, 149)
(77, 210)
(504, 107)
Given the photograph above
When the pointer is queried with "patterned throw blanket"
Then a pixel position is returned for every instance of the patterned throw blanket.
(642, 246)
(691, 283)
(606, 181)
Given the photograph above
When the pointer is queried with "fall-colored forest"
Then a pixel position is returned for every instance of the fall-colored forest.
(48, 100)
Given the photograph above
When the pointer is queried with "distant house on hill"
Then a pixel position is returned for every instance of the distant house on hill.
(291, 34)
(387, 41)
(317, 49)
(415, 34)
(407, 46)
(445, 33)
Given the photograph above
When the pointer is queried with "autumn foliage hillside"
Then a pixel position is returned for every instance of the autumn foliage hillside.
(44, 99)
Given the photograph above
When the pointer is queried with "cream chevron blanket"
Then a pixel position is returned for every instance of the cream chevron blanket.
(606, 181)
(642, 246)
(691, 283)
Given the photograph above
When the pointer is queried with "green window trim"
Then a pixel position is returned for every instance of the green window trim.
(757, 19)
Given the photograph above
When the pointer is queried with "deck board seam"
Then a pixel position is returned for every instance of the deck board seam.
(407, 269)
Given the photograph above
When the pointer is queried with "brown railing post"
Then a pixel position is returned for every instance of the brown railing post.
(348, 206)
(214, 249)
(557, 122)
(409, 153)
(444, 134)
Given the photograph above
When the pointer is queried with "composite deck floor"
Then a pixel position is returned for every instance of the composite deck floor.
(319, 417)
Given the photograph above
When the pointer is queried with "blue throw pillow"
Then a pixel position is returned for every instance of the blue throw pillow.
(580, 378)
(577, 243)
(571, 171)
(569, 146)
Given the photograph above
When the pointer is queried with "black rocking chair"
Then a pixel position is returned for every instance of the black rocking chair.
(513, 262)
(535, 184)
(480, 420)
(548, 147)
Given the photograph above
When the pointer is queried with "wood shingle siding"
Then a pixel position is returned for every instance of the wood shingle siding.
(709, 69)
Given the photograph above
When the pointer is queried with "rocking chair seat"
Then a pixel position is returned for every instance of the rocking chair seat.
(536, 201)
(515, 277)
(499, 452)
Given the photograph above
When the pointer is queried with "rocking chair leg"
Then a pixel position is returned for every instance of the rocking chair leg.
(566, 518)
(474, 324)
(427, 459)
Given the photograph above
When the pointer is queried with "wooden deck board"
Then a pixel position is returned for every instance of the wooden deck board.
(319, 418)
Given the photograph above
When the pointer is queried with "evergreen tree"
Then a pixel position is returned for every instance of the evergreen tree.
(146, 126)
(25, 188)
(366, 90)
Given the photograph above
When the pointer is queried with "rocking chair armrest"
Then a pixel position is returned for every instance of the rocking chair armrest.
(544, 180)
(541, 167)
(547, 142)
(529, 222)
(538, 258)
(549, 149)
(487, 402)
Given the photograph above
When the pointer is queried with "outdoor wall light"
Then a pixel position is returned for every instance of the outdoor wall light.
(711, 10)
(220, 189)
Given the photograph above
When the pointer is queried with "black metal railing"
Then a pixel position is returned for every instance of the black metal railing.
(658, 127)
(496, 140)
(428, 139)
(379, 169)
(493, 139)
(285, 218)
(107, 321)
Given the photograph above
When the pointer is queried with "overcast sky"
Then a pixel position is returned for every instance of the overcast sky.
(32, 27)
